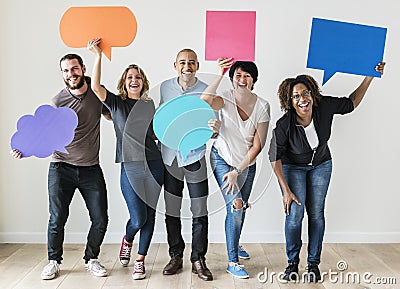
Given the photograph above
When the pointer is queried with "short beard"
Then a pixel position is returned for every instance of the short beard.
(79, 85)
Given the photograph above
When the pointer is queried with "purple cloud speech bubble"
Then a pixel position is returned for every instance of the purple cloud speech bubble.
(49, 129)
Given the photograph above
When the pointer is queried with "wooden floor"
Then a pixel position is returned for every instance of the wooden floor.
(21, 265)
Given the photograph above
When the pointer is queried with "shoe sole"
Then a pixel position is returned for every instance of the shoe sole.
(124, 264)
(173, 273)
(138, 276)
(99, 275)
(236, 276)
(204, 279)
(244, 258)
(49, 277)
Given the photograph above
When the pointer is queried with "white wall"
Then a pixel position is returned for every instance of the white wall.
(364, 196)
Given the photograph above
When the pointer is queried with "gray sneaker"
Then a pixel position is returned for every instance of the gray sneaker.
(51, 270)
(93, 266)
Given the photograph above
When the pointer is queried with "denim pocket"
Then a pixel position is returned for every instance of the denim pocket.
(55, 165)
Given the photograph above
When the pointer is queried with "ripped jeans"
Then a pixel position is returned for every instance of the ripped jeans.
(234, 217)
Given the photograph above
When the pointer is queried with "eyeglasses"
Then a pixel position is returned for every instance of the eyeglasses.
(304, 94)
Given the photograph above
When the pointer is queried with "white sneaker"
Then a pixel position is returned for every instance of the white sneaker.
(51, 270)
(94, 267)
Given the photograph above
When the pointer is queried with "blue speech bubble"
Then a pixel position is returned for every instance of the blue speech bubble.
(49, 129)
(182, 123)
(345, 47)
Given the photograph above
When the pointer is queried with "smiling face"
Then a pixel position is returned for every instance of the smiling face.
(134, 83)
(186, 65)
(302, 100)
(242, 79)
(73, 73)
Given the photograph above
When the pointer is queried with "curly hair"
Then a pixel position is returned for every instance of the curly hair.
(285, 90)
(122, 91)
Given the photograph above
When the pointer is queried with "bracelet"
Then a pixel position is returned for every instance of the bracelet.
(237, 170)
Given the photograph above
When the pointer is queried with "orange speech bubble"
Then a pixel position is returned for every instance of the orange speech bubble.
(116, 26)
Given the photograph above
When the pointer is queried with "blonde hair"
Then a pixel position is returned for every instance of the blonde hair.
(123, 93)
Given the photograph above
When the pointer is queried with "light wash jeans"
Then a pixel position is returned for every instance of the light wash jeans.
(141, 185)
(310, 185)
(234, 217)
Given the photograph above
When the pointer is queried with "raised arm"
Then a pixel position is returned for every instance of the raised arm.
(358, 94)
(208, 95)
(93, 46)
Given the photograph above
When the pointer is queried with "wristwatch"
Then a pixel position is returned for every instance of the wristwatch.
(237, 170)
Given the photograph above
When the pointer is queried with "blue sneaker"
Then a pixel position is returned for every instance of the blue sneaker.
(242, 253)
(237, 271)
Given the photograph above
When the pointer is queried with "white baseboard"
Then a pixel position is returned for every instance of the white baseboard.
(273, 237)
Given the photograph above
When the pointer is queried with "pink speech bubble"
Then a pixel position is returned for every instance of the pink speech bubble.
(230, 34)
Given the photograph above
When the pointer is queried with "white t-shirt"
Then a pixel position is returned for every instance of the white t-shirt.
(311, 135)
(235, 135)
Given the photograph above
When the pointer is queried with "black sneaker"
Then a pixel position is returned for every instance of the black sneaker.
(314, 275)
(291, 272)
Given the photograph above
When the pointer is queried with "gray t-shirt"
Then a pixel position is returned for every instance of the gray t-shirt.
(133, 125)
(84, 149)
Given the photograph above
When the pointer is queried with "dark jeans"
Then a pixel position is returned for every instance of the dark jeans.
(310, 185)
(63, 180)
(141, 185)
(197, 183)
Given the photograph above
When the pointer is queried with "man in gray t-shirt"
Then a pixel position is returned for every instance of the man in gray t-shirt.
(77, 169)
(84, 149)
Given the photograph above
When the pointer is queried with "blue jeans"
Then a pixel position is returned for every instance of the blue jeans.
(141, 185)
(234, 217)
(63, 180)
(310, 185)
(197, 183)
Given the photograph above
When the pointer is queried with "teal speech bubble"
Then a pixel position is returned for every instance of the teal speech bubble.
(182, 123)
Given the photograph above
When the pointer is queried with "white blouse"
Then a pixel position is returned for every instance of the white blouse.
(236, 136)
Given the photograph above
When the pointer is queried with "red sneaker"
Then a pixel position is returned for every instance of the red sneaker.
(125, 252)
(139, 271)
